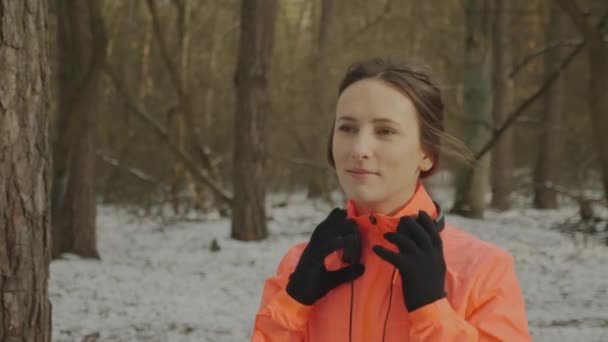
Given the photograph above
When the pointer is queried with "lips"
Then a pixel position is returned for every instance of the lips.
(361, 172)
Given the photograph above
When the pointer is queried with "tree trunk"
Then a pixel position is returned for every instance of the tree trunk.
(598, 80)
(253, 104)
(25, 310)
(471, 183)
(502, 156)
(201, 154)
(317, 181)
(547, 169)
(598, 100)
(81, 52)
(211, 67)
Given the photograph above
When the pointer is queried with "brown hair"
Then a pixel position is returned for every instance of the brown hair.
(425, 96)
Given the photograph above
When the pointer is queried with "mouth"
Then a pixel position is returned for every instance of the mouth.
(360, 172)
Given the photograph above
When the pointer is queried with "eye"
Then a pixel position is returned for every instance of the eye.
(385, 131)
(346, 128)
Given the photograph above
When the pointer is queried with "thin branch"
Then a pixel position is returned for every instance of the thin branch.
(177, 79)
(577, 15)
(527, 103)
(200, 175)
(131, 170)
(482, 123)
(169, 63)
(566, 6)
(550, 80)
(539, 52)
(351, 39)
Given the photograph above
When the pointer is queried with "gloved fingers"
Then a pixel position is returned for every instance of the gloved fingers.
(319, 250)
(333, 244)
(336, 215)
(343, 275)
(390, 256)
(346, 227)
(408, 226)
(347, 230)
(335, 224)
(403, 242)
(429, 226)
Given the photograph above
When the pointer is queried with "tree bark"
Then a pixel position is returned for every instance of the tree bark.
(210, 92)
(598, 79)
(598, 99)
(471, 183)
(81, 42)
(25, 310)
(502, 156)
(253, 104)
(547, 169)
(195, 147)
(317, 179)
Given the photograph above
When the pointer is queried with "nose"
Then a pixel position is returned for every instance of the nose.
(362, 147)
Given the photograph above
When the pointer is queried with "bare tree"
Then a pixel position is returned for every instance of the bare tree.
(502, 155)
(25, 310)
(253, 104)
(81, 50)
(317, 182)
(471, 183)
(547, 169)
(189, 140)
(593, 34)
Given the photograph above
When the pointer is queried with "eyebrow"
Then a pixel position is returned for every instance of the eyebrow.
(381, 120)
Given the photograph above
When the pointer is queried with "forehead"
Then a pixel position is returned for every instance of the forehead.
(374, 98)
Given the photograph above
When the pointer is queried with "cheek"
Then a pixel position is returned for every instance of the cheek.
(401, 158)
(338, 150)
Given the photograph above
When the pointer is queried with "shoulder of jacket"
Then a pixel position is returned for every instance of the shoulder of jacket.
(291, 258)
(469, 255)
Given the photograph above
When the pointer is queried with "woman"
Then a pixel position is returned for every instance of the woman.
(388, 268)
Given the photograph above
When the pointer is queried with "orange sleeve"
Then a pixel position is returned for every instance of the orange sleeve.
(497, 309)
(281, 318)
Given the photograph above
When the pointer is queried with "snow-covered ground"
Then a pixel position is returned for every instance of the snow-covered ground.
(162, 282)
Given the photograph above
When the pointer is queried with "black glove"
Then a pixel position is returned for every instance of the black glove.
(420, 260)
(311, 280)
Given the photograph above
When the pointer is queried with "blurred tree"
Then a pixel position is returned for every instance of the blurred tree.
(184, 125)
(591, 25)
(502, 155)
(118, 144)
(253, 104)
(471, 183)
(317, 179)
(547, 169)
(81, 51)
(139, 131)
(25, 310)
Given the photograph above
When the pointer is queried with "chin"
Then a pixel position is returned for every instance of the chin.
(360, 196)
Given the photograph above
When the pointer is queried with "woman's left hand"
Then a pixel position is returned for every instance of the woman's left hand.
(420, 260)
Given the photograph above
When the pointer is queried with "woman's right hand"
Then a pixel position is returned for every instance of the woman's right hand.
(311, 280)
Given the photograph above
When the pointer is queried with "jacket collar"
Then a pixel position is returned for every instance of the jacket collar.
(421, 200)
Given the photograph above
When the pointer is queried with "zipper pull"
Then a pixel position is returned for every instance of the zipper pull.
(372, 219)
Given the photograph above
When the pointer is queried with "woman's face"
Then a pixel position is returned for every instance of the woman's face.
(376, 146)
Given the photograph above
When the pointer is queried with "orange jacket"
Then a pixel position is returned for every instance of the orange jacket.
(484, 301)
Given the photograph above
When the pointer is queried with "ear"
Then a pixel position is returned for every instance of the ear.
(426, 163)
